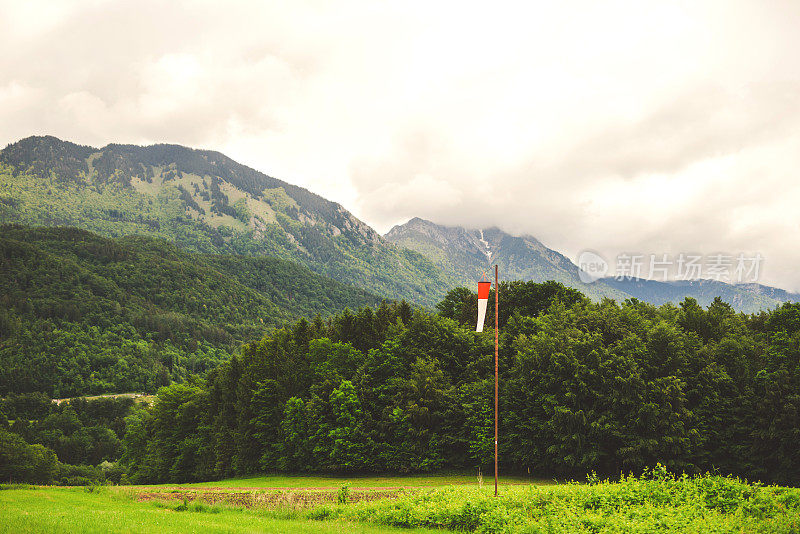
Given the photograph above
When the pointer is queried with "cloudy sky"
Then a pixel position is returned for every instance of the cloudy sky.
(652, 127)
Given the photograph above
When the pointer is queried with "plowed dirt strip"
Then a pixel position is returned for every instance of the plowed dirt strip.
(269, 499)
(164, 488)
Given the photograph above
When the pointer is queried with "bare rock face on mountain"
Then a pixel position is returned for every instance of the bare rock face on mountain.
(464, 254)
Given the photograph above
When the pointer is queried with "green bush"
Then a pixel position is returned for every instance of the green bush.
(344, 493)
(94, 487)
(655, 502)
(76, 481)
(113, 472)
(79, 475)
(20, 462)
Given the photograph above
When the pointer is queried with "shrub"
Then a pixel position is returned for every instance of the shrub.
(20, 462)
(656, 501)
(344, 493)
(79, 475)
(94, 487)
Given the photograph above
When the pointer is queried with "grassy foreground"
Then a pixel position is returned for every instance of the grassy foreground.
(72, 510)
(656, 502)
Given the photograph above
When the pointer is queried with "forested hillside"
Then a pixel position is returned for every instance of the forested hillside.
(583, 386)
(204, 202)
(84, 314)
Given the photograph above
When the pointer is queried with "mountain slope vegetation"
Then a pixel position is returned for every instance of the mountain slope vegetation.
(204, 202)
(85, 314)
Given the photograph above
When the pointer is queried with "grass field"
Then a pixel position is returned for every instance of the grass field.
(695, 505)
(657, 502)
(72, 510)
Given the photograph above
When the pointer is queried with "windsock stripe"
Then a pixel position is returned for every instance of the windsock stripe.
(483, 290)
(481, 314)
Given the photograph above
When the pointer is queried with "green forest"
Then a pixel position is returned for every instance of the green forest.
(73, 443)
(82, 314)
(605, 387)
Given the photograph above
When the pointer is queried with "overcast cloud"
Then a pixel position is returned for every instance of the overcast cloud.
(659, 127)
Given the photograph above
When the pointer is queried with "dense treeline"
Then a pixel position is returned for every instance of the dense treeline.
(61, 159)
(82, 314)
(72, 443)
(584, 386)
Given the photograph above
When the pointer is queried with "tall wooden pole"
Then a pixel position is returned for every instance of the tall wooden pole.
(496, 338)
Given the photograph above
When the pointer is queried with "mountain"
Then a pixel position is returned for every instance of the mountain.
(203, 202)
(463, 254)
(85, 314)
(744, 297)
(774, 293)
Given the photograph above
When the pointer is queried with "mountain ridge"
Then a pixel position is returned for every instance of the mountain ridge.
(461, 251)
(462, 254)
(204, 202)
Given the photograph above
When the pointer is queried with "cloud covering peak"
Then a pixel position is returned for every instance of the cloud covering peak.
(616, 126)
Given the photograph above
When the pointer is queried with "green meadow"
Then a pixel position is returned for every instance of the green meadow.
(71, 510)
(655, 502)
(648, 504)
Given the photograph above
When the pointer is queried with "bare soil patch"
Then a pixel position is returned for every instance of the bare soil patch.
(291, 498)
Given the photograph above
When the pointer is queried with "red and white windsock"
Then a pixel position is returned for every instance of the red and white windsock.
(483, 300)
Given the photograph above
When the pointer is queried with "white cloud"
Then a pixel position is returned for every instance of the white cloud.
(651, 126)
